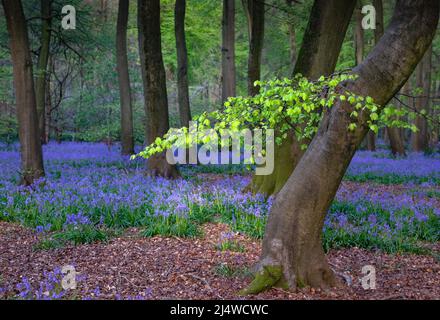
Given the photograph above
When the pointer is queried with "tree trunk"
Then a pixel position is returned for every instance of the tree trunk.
(396, 143)
(419, 139)
(292, 37)
(48, 115)
(155, 91)
(318, 56)
(182, 64)
(434, 136)
(359, 34)
(228, 50)
(43, 58)
(26, 106)
(292, 253)
(127, 139)
(359, 57)
(255, 16)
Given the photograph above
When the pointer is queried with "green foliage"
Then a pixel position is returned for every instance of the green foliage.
(230, 245)
(172, 225)
(8, 128)
(229, 271)
(75, 236)
(390, 178)
(286, 104)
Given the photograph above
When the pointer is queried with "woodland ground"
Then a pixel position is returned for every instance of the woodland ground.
(131, 237)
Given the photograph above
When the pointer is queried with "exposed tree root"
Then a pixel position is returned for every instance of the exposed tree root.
(266, 278)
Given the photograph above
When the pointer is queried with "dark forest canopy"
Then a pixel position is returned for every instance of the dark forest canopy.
(82, 61)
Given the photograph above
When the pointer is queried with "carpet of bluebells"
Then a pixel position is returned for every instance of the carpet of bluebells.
(91, 193)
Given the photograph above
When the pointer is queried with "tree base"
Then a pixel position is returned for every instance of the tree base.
(273, 276)
(157, 166)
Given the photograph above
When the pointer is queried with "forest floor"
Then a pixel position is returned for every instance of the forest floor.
(128, 236)
(130, 267)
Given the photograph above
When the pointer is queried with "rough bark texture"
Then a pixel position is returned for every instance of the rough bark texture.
(255, 17)
(292, 243)
(420, 139)
(43, 58)
(182, 63)
(127, 140)
(228, 50)
(318, 56)
(155, 91)
(28, 132)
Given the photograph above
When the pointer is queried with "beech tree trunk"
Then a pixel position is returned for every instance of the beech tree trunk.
(359, 56)
(26, 105)
(255, 17)
(292, 254)
(292, 37)
(182, 64)
(48, 109)
(420, 139)
(228, 50)
(155, 91)
(42, 64)
(318, 56)
(127, 139)
(396, 142)
(434, 134)
(359, 34)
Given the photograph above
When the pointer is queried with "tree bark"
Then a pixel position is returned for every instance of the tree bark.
(48, 111)
(359, 57)
(396, 143)
(292, 37)
(420, 139)
(155, 91)
(26, 106)
(255, 17)
(228, 50)
(127, 139)
(182, 64)
(318, 56)
(359, 34)
(292, 253)
(42, 64)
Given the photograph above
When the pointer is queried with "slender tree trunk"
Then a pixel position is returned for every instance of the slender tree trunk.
(434, 136)
(292, 253)
(292, 37)
(359, 34)
(182, 64)
(255, 16)
(155, 90)
(26, 106)
(48, 109)
(359, 55)
(228, 50)
(420, 140)
(127, 139)
(396, 143)
(318, 56)
(42, 70)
